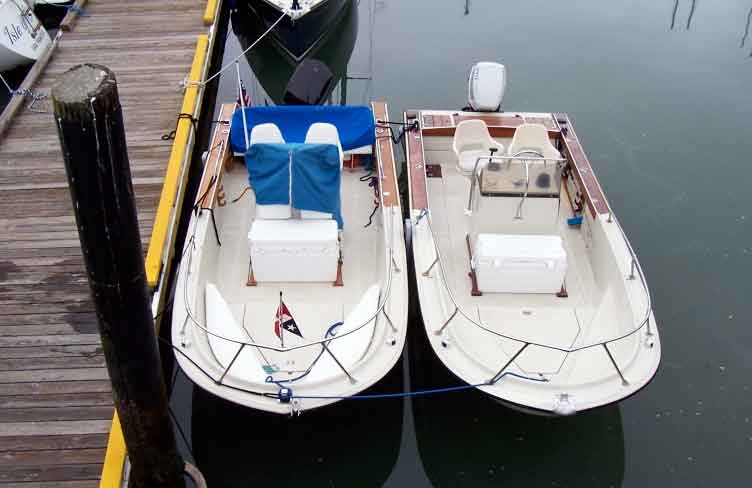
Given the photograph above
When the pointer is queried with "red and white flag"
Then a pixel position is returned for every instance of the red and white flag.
(283, 320)
(244, 100)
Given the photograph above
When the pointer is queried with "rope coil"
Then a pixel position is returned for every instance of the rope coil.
(182, 115)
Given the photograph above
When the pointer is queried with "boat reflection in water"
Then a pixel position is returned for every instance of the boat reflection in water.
(351, 443)
(497, 446)
(272, 64)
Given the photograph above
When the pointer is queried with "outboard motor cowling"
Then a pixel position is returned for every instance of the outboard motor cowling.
(486, 86)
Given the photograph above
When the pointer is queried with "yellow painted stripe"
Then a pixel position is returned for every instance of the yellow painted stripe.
(174, 167)
(114, 460)
(211, 9)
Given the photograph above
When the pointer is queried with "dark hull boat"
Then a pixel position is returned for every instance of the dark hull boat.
(51, 12)
(274, 67)
(303, 27)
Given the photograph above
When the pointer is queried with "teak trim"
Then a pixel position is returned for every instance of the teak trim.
(216, 160)
(384, 154)
(584, 177)
(416, 163)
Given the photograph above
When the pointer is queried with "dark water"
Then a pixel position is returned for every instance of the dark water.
(660, 94)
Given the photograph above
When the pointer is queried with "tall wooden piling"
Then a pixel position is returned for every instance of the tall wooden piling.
(92, 137)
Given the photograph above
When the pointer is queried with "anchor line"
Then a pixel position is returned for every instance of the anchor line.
(229, 64)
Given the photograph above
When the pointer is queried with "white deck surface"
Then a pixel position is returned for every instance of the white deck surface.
(315, 306)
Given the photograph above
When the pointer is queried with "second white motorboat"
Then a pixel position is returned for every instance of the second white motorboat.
(529, 289)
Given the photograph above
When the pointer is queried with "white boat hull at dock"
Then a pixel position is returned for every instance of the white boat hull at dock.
(22, 37)
(552, 351)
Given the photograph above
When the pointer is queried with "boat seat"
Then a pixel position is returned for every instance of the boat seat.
(294, 251)
(534, 138)
(322, 133)
(472, 139)
(353, 347)
(269, 134)
(220, 321)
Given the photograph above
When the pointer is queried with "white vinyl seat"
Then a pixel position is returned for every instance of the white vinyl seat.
(533, 138)
(471, 140)
(269, 134)
(266, 134)
(322, 133)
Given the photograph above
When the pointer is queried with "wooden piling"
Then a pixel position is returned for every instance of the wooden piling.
(90, 127)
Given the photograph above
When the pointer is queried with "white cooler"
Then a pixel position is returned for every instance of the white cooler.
(519, 263)
(294, 250)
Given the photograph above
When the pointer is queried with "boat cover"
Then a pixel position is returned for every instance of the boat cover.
(354, 123)
(306, 176)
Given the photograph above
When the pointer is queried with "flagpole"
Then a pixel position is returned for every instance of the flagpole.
(281, 327)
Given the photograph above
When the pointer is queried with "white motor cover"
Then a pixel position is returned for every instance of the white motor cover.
(486, 86)
(294, 250)
(507, 263)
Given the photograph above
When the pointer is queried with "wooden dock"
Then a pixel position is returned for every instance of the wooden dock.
(55, 401)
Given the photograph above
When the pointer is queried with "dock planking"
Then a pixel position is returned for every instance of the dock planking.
(55, 399)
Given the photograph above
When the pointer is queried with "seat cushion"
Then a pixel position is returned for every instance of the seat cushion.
(273, 212)
(314, 215)
(468, 158)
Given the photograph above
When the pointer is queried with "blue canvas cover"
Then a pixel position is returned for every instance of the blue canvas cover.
(310, 174)
(354, 123)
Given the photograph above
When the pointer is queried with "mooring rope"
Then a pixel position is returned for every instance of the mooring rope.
(414, 393)
(23, 92)
(228, 65)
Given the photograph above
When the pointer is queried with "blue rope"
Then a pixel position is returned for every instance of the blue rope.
(433, 391)
(80, 11)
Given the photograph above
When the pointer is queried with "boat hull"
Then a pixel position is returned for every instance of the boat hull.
(51, 13)
(22, 38)
(273, 66)
(300, 35)
(352, 333)
(537, 353)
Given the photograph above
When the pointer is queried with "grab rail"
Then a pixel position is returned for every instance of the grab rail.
(526, 343)
(490, 158)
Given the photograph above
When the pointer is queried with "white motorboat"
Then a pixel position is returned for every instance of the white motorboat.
(278, 306)
(23, 38)
(528, 286)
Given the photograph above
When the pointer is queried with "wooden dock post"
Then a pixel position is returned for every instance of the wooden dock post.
(92, 136)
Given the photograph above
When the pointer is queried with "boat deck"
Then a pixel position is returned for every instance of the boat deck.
(55, 400)
(255, 306)
(533, 313)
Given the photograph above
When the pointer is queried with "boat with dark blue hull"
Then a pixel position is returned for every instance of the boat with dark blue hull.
(274, 69)
(304, 24)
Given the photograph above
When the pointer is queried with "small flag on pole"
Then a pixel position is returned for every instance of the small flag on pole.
(244, 100)
(283, 321)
